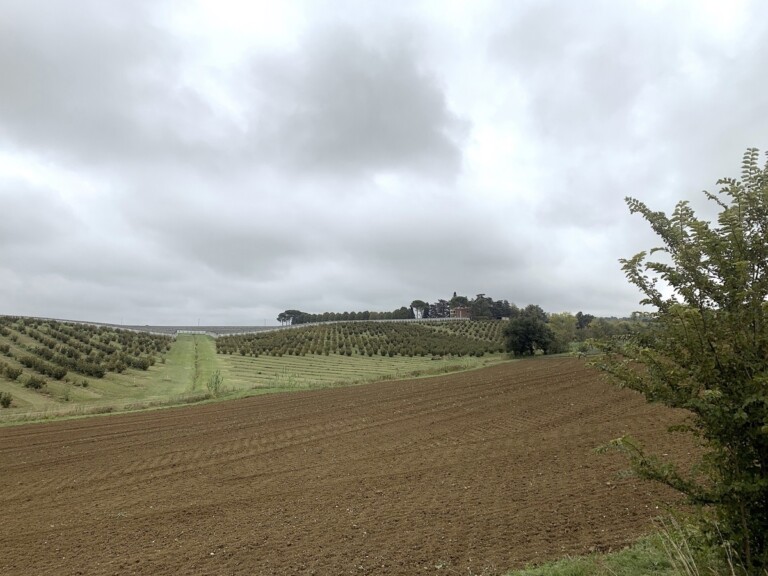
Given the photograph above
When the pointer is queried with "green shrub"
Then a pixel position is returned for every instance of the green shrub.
(35, 382)
(214, 382)
(705, 350)
(5, 399)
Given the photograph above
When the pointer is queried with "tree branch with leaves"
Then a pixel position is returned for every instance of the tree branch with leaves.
(706, 350)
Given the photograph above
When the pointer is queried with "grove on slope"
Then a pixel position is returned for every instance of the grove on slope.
(459, 338)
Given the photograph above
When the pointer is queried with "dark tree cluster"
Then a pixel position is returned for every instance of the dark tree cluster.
(528, 330)
(583, 320)
(293, 317)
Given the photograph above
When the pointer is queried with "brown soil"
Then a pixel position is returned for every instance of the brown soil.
(462, 474)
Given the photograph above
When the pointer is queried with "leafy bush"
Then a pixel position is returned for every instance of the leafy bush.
(5, 399)
(13, 372)
(88, 350)
(706, 351)
(214, 383)
(35, 382)
(40, 365)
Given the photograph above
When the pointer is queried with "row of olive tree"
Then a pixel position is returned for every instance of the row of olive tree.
(371, 338)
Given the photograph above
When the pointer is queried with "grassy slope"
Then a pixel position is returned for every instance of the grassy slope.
(188, 366)
(319, 370)
(372, 339)
(192, 360)
(167, 382)
(645, 557)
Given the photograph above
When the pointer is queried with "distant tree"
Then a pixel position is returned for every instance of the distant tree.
(480, 307)
(304, 318)
(402, 313)
(442, 309)
(528, 331)
(289, 316)
(601, 328)
(418, 307)
(583, 320)
(501, 309)
(641, 316)
(563, 326)
(458, 301)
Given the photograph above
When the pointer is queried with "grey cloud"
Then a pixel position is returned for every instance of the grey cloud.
(235, 249)
(95, 83)
(590, 71)
(25, 224)
(586, 66)
(707, 124)
(386, 248)
(45, 243)
(233, 226)
(344, 105)
(616, 110)
(354, 175)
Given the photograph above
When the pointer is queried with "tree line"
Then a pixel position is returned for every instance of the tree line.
(481, 307)
(530, 329)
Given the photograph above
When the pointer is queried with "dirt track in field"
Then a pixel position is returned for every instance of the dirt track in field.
(462, 474)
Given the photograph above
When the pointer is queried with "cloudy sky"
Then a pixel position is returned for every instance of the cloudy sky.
(222, 161)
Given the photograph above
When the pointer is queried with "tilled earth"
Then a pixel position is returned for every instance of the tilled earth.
(471, 473)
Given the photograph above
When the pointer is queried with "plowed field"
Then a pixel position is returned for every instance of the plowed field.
(461, 474)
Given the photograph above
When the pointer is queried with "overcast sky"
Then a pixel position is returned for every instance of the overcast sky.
(222, 161)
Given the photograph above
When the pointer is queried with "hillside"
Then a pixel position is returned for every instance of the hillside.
(46, 362)
(461, 474)
(50, 369)
(459, 338)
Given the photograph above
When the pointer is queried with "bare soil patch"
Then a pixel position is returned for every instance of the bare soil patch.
(461, 474)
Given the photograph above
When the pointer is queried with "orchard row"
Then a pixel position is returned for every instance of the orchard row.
(53, 349)
(465, 338)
